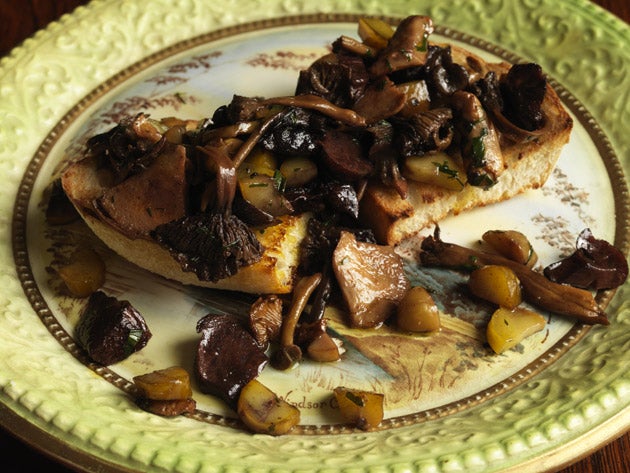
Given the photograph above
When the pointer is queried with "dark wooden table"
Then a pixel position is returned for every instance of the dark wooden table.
(19, 20)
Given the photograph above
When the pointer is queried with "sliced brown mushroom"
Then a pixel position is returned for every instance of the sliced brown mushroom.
(381, 100)
(595, 264)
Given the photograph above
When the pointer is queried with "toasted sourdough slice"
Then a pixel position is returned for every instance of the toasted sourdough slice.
(528, 165)
(528, 162)
(273, 273)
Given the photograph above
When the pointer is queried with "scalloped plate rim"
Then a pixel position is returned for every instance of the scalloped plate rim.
(33, 45)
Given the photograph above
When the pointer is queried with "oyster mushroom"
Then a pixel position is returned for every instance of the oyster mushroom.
(372, 280)
(265, 319)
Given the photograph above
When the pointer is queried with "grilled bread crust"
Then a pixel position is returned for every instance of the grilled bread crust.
(274, 273)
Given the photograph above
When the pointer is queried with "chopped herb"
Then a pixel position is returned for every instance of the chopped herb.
(180, 96)
(451, 173)
(423, 46)
(279, 180)
(132, 340)
(358, 400)
(473, 263)
(149, 212)
(407, 54)
(231, 244)
(481, 180)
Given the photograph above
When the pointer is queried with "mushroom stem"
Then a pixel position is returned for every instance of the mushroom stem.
(253, 139)
(288, 352)
(321, 105)
(218, 162)
(355, 46)
(303, 290)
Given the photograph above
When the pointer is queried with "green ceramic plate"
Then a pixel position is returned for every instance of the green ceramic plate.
(558, 397)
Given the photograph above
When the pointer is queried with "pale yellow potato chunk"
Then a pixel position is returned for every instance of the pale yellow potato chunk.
(262, 411)
(508, 328)
(84, 274)
(417, 311)
(361, 408)
(169, 384)
(497, 284)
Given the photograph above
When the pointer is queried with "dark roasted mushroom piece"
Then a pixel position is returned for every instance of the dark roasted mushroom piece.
(213, 246)
(342, 155)
(489, 91)
(227, 357)
(295, 132)
(424, 132)
(325, 197)
(339, 78)
(595, 264)
(128, 147)
(523, 89)
(443, 76)
(110, 330)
